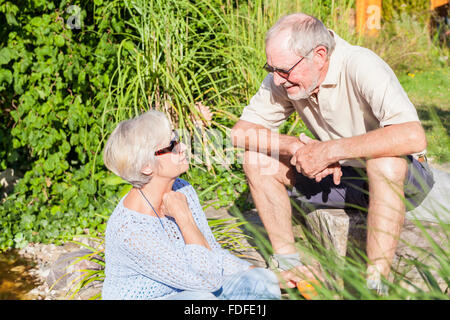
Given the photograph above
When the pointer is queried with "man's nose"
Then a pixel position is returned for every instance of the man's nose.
(278, 80)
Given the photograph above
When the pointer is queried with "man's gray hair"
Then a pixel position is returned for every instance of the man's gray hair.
(132, 145)
(305, 33)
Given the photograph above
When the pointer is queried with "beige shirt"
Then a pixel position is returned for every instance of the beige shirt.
(360, 93)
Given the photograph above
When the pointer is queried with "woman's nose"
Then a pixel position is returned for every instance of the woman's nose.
(181, 147)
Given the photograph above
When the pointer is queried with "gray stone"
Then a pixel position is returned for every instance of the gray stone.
(331, 228)
(65, 271)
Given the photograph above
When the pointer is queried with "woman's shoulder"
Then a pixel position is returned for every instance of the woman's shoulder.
(126, 218)
(180, 184)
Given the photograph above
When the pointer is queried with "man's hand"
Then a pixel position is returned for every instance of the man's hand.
(312, 161)
(289, 278)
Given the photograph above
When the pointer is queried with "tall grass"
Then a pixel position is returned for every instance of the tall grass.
(344, 275)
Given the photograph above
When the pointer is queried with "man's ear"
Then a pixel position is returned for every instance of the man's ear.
(147, 170)
(321, 53)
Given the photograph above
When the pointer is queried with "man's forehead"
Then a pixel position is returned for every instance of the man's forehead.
(278, 53)
(280, 41)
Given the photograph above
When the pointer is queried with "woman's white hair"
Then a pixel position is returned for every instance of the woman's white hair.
(305, 32)
(132, 145)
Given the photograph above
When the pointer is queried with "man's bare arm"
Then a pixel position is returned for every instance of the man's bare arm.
(250, 136)
(391, 141)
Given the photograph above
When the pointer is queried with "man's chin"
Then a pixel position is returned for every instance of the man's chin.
(298, 95)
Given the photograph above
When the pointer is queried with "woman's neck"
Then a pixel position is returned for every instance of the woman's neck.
(155, 190)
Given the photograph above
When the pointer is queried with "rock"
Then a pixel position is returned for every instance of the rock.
(331, 228)
(50, 261)
(413, 248)
(65, 270)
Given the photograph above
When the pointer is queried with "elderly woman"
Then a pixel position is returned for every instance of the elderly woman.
(158, 244)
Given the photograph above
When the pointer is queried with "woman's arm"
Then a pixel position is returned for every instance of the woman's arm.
(231, 263)
(176, 206)
(146, 249)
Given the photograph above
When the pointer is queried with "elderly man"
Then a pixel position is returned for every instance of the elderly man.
(364, 125)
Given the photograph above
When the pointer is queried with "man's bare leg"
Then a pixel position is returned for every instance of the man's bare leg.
(386, 211)
(267, 178)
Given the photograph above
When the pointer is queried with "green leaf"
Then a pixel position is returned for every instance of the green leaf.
(113, 180)
(59, 40)
(11, 19)
(5, 76)
(6, 55)
(89, 186)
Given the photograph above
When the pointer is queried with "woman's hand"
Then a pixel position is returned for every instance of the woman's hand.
(175, 205)
(205, 114)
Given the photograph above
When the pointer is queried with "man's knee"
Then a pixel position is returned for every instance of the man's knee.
(392, 169)
(259, 166)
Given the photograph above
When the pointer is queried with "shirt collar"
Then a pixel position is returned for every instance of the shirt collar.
(336, 59)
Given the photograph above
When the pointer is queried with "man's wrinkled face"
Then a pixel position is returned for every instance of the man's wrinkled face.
(303, 79)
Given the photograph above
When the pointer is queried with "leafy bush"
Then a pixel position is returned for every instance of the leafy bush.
(53, 83)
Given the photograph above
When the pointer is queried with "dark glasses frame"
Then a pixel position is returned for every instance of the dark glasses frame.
(284, 73)
(173, 143)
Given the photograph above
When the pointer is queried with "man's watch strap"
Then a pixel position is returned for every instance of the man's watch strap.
(285, 262)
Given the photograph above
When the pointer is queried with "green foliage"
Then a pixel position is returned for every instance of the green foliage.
(417, 8)
(53, 85)
(428, 90)
(225, 187)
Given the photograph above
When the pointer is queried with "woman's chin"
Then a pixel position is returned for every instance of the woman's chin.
(185, 166)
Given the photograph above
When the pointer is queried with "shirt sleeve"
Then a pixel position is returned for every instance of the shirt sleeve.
(231, 263)
(381, 89)
(269, 107)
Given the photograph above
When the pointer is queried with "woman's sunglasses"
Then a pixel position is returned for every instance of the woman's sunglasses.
(170, 148)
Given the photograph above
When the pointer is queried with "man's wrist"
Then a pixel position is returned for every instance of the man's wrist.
(333, 151)
(285, 261)
(294, 146)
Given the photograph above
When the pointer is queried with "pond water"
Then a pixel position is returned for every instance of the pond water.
(15, 279)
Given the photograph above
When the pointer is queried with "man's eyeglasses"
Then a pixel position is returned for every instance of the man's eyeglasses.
(284, 73)
(173, 143)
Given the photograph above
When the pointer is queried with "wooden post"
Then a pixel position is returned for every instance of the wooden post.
(439, 12)
(437, 3)
(368, 16)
